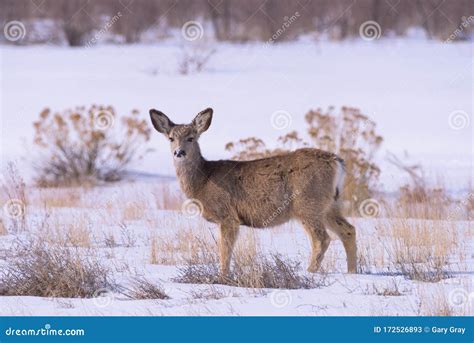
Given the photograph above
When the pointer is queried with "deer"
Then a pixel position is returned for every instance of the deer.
(303, 185)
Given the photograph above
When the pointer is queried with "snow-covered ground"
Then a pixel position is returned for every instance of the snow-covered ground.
(410, 87)
(136, 223)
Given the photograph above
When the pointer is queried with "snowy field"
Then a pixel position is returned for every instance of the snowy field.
(409, 87)
(134, 238)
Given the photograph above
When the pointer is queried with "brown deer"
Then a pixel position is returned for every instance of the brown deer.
(305, 185)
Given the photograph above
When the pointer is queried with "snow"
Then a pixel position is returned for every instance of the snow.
(341, 294)
(408, 86)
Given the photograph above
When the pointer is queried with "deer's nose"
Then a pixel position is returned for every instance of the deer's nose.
(179, 153)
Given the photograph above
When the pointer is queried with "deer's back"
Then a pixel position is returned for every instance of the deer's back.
(269, 191)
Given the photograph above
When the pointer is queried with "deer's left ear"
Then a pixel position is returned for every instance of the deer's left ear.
(203, 120)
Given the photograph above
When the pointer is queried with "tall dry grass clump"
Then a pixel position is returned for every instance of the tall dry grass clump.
(421, 249)
(50, 270)
(348, 133)
(82, 145)
(14, 198)
(185, 245)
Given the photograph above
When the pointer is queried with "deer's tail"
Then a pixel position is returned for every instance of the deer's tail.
(338, 182)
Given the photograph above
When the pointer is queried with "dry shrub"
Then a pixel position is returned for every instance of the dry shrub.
(250, 268)
(419, 199)
(260, 272)
(127, 236)
(45, 270)
(141, 289)
(391, 289)
(14, 194)
(348, 133)
(194, 56)
(87, 145)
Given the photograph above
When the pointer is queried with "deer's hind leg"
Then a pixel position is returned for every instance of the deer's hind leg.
(319, 240)
(347, 234)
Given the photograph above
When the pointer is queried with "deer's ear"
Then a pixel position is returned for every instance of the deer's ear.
(203, 120)
(161, 122)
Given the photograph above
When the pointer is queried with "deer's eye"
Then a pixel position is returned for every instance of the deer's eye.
(171, 139)
(190, 139)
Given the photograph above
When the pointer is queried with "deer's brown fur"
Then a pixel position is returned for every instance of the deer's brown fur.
(303, 185)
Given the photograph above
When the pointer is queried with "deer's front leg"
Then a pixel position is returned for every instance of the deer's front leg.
(228, 236)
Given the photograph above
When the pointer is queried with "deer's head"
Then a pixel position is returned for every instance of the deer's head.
(183, 137)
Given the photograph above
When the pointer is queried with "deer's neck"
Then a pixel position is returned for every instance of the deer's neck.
(191, 175)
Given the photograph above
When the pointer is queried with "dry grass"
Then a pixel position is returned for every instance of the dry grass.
(187, 244)
(75, 232)
(65, 197)
(3, 229)
(251, 269)
(141, 289)
(134, 210)
(45, 270)
(168, 197)
(391, 289)
(14, 198)
(261, 272)
(211, 292)
(421, 249)
(435, 302)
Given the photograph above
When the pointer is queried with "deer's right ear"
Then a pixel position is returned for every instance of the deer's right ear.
(161, 122)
